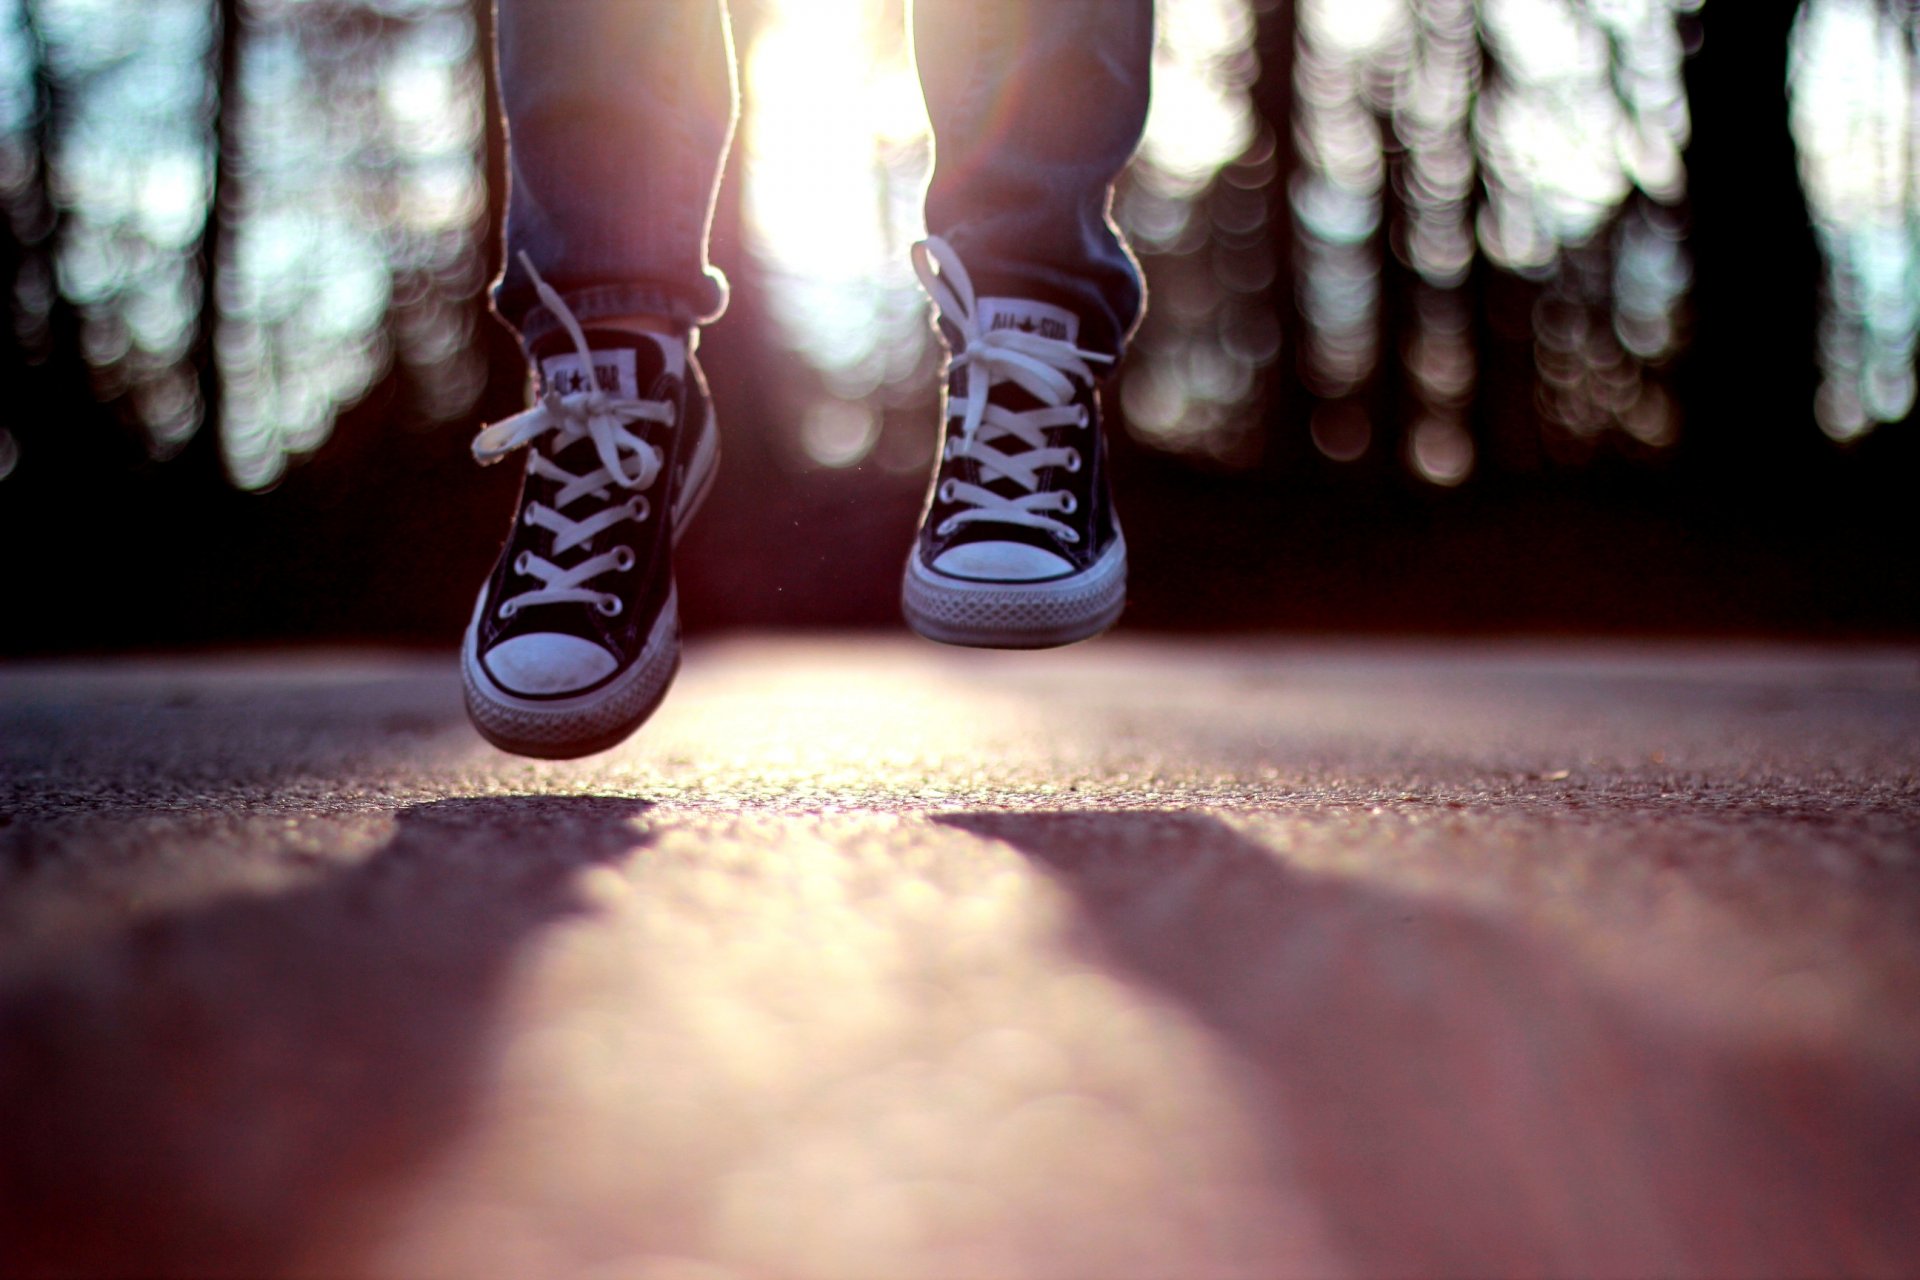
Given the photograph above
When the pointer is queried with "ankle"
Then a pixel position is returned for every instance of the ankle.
(639, 324)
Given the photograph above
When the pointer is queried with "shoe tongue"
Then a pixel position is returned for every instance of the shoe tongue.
(1028, 316)
(624, 364)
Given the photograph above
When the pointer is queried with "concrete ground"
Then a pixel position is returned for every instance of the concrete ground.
(872, 959)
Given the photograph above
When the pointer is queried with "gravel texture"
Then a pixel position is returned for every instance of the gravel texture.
(867, 958)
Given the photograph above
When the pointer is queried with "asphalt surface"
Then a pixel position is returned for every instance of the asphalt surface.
(872, 959)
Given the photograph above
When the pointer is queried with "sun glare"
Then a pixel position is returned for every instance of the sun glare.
(836, 151)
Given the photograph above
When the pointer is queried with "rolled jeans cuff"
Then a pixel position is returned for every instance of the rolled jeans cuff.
(598, 302)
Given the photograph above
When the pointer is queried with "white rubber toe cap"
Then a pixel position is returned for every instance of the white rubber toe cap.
(1000, 562)
(548, 662)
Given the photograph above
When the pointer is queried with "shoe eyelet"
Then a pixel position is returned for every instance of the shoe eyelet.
(1073, 461)
(610, 606)
(523, 563)
(1086, 417)
(623, 558)
(946, 490)
(944, 528)
(638, 508)
(1069, 536)
(1069, 504)
(506, 610)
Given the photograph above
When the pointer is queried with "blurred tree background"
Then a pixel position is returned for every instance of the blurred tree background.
(1468, 315)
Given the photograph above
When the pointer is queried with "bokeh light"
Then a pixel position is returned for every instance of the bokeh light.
(107, 173)
(347, 223)
(1541, 138)
(1196, 204)
(359, 197)
(1853, 95)
(839, 433)
(1544, 136)
(1321, 196)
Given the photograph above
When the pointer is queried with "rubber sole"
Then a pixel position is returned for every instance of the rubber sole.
(568, 728)
(1016, 615)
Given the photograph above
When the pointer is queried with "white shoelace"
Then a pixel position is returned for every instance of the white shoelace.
(590, 414)
(1038, 365)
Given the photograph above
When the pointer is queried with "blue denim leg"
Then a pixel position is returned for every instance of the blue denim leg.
(1037, 105)
(619, 116)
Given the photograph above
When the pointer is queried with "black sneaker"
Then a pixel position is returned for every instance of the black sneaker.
(1019, 547)
(576, 635)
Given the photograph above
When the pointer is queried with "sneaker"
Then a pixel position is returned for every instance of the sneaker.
(576, 635)
(1019, 547)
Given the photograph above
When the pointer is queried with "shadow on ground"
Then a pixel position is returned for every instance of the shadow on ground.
(1459, 1098)
(222, 1091)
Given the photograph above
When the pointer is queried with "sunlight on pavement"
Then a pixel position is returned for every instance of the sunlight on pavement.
(866, 958)
(1037, 1116)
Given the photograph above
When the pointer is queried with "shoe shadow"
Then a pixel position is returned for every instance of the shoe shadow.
(1457, 1096)
(221, 1091)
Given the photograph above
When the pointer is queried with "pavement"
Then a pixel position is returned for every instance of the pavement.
(867, 958)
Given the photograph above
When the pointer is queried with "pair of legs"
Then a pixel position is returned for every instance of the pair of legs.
(619, 116)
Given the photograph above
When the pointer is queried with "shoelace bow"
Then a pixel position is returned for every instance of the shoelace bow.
(589, 414)
(1041, 366)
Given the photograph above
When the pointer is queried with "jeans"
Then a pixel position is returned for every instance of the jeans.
(620, 114)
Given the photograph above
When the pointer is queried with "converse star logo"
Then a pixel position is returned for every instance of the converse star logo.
(613, 373)
(1023, 315)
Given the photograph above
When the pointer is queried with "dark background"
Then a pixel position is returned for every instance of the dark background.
(1749, 520)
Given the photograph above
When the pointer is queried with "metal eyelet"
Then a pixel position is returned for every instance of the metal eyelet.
(523, 563)
(1073, 460)
(1069, 504)
(638, 508)
(506, 610)
(623, 558)
(1086, 417)
(610, 606)
(1069, 536)
(946, 490)
(945, 527)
